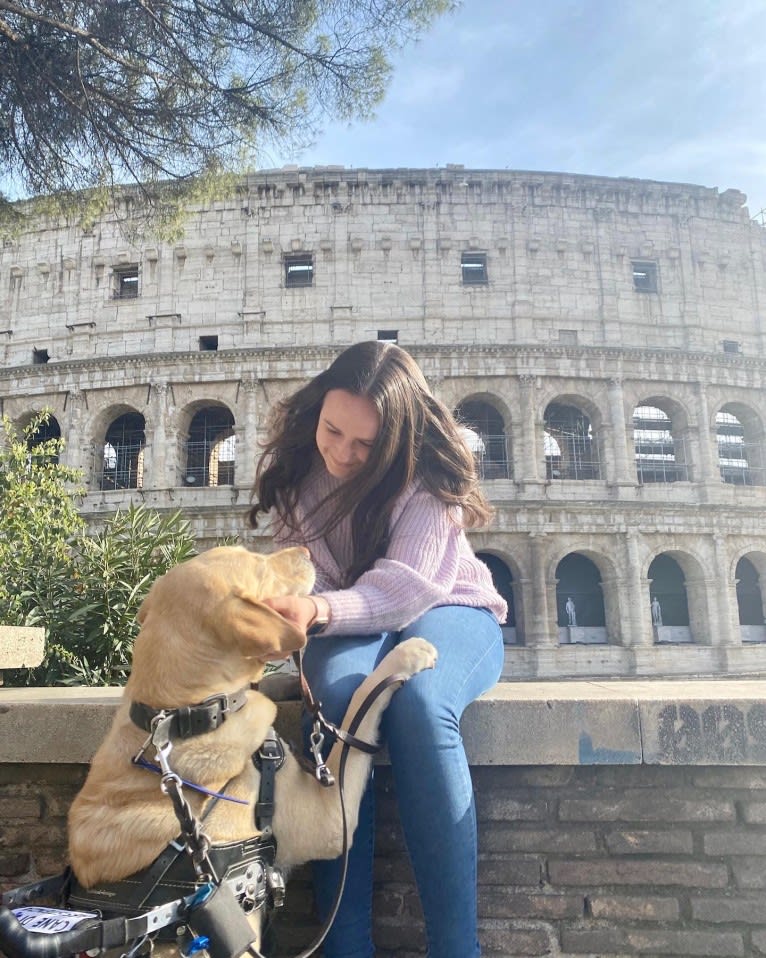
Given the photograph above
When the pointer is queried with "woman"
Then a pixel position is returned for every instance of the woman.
(368, 470)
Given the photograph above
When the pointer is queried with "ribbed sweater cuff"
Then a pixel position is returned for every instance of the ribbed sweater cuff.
(349, 612)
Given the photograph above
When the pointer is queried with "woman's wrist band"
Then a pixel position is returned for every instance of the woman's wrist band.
(318, 623)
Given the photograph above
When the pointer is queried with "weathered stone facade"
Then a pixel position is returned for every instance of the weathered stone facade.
(603, 336)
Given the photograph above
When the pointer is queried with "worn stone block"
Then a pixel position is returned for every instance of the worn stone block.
(19, 807)
(568, 732)
(604, 941)
(660, 842)
(21, 647)
(506, 938)
(502, 903)
(653, 873)
(518, 870)
(504, 837)
(616, 908)
(641, 807)
(731, 909)
(739, 842)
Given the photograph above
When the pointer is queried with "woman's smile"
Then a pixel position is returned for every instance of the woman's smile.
(346, 432)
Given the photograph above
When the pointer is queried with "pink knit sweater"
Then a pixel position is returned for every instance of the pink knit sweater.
(429, 562)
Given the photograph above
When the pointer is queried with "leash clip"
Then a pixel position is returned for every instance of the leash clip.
(160, 739)
(322, 772)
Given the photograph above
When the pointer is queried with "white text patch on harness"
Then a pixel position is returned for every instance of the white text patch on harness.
(50, 921)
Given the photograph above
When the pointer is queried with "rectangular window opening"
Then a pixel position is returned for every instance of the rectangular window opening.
(299, 270)
(388, 335)
(208, 344)
(40, 357)
(644, 276)
(474, 269)
(568, 337)
(731, 346)
(125, 280)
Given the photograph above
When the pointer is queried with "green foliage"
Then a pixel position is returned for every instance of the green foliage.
(91, 622)
(38, 519)
(95, 93)
(84, 589)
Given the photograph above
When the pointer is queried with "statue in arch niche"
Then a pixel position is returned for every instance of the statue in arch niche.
(571, 612)
(656, 611)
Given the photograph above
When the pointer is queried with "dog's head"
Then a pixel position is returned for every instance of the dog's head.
(204, 625)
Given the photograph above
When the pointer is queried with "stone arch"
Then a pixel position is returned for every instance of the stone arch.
(573, 429)
(209, 445)
(661, 441)
(741, 444)
(676, 579)
(507, 585)
(587, 602)
(490, 443)
(46, 431)
(750, 580)
(123, 447)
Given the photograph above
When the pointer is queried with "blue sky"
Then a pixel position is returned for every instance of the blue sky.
(658, 89)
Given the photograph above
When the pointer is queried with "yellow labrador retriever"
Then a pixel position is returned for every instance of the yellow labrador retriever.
(204, 630)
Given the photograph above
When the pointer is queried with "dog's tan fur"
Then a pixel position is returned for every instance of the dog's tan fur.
(204, 630)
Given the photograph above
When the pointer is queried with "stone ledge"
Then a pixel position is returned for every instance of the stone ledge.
(524, 723)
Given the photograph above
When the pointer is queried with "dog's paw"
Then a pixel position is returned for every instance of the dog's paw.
(412, 656)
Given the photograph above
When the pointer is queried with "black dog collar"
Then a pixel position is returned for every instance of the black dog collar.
(190, 720)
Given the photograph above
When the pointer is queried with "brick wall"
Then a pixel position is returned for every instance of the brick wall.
(607, 861)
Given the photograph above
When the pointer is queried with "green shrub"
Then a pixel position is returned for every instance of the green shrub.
(91, 624)
(84, 589)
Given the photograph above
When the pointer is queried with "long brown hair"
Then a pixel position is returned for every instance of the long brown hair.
(418, 438)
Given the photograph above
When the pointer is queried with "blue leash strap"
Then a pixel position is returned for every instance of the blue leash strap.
(151, 767)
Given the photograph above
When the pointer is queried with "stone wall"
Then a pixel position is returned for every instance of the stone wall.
(615, 819)
(386, 248)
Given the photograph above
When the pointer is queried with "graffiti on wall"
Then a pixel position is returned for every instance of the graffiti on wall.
(719, 733)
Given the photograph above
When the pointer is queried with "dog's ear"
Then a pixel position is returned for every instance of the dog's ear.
(256, 628)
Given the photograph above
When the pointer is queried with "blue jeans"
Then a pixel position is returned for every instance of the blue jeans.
(433, 783)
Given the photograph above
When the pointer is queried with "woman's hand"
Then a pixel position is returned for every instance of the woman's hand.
(301, 610)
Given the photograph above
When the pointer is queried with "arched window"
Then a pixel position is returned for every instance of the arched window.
(659, 454)
(48, 430)
(571, 451)
(211, 448)
(123, 458)
(752, 617)
(749, 600)
(489, 444)
(740, 447)
(503, 581)
(580, 600)
(668, 600)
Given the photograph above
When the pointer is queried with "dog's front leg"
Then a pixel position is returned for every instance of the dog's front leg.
(308, 820)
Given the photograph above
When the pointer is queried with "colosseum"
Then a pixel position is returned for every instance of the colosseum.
(601, 338)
